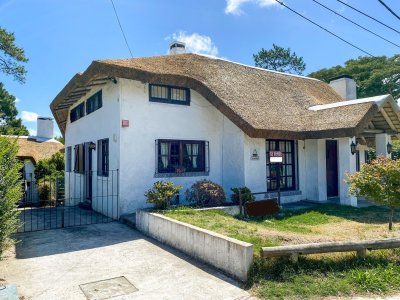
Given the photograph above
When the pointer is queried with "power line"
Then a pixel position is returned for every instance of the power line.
(368, 16)
(323, 28)
(389, 9)
(366, 29)
(120, 26)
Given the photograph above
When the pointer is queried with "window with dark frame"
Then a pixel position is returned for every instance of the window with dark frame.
(169, 94)
(79, 164)
(287, 167)
(94, 102)
(103, 157)
(176, 156)
(68, 159)
(77, 112)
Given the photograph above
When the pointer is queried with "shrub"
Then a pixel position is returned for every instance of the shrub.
(206, 193)
(161, 194)
(246, 195)
(10, 191)
(379, 182)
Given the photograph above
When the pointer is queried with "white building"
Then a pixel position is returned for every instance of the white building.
(186, 117)
(32, 149)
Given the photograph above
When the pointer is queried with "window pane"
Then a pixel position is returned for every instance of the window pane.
(288, 146)
(158, 91)
(289, 170)
(282, 146)
(288, 158)
(290, 182)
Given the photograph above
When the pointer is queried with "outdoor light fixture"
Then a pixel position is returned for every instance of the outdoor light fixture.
(353, 147)
(92, 146)
(389, 147)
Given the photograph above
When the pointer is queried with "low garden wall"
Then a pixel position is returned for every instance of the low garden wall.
(232, 256)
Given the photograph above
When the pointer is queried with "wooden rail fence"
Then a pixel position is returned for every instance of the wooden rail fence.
(360, 247)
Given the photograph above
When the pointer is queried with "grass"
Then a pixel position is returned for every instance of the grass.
(315, 276)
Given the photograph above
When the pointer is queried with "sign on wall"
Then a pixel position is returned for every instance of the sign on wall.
(125, 123)
(254, 155)
(275, 156)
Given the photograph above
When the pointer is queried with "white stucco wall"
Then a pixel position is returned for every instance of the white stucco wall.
(255, 171)
(100, 124)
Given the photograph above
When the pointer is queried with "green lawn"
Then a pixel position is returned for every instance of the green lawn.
(315, 276)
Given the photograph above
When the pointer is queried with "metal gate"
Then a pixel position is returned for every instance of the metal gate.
(70, 199)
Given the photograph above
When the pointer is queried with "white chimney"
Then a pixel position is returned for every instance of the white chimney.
(345, 86)
(177, 47)
(45, 128)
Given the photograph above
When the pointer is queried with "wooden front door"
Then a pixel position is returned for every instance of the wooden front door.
(332, 179)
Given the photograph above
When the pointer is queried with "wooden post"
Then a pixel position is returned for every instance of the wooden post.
(362, 253)
(240, 203)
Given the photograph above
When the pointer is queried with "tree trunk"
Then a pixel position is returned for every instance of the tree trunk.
(391, 219)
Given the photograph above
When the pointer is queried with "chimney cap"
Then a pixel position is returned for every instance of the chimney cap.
(45, 118)
(341, 76)
(177, 44)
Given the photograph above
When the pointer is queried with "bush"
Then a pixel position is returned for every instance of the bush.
(246, 195)
(10, 191)
(50, 168)
(206, 193)
(161, 194)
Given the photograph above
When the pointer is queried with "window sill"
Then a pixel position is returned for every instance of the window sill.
(274, 194)
(185, 174)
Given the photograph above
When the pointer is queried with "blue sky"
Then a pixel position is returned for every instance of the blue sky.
(61, 38)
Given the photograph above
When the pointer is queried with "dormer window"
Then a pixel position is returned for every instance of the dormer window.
(169, 94)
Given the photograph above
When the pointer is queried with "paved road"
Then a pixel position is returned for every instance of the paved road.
(53, 264)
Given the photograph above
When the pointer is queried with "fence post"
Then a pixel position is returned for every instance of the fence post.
(240, 203)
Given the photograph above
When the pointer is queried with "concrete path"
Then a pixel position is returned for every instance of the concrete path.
(56, 264)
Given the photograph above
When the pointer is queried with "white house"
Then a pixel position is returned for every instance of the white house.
(186, 117)
(32, 149)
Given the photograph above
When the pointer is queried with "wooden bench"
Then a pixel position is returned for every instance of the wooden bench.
(360, 247)
(262, 207)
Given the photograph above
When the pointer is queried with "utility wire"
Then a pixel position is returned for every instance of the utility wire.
(323, 28)
(120, 26)
(368, 16)
(366, 29)
(389, 9)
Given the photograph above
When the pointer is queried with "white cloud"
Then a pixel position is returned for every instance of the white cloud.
(32, 132)
(29, 116)
(233, 6)
(17, 100)
(196, 43)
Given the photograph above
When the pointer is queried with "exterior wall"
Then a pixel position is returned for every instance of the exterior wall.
(100, 124)
(347, 164)
(255, 172)
(151, 121)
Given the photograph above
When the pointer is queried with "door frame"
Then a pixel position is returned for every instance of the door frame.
(333, 141)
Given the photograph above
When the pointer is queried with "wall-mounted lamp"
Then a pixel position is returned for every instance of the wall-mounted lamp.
(389, 147)
(353, 147)
(113, 80)
(92, 146)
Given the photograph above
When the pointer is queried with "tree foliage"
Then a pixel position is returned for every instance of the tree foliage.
(12, 57)
(379, 182)
(10, 191)
(374, 75)
(9, 123)
(279, 59)
(52, 167)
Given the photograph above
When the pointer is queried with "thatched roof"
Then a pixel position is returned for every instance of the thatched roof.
(262, 103)
(31, 149)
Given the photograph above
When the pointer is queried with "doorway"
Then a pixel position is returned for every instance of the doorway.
(332, 178)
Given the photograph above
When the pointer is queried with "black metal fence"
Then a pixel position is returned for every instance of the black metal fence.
(70, 199)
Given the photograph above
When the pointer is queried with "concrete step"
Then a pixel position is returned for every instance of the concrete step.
(129, 219)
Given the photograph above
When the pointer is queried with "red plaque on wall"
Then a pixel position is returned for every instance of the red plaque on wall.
(125, 123)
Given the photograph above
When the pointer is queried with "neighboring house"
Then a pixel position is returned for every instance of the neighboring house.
(187, 117)
(32, 149)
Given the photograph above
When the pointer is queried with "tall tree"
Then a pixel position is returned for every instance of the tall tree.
(374, 75)
(9, 123)
(12, 57)
(279, 59)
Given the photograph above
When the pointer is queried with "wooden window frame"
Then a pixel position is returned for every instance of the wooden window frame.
(74, 116)
(181, 168)
(169, 99)
(91, 101)
(68, 157)
(293, 165)
(103, 157)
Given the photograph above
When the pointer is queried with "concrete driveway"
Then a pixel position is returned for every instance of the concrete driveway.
(63, 264)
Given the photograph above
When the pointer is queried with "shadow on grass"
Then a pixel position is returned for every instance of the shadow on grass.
(328, 275)
(368, 215)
